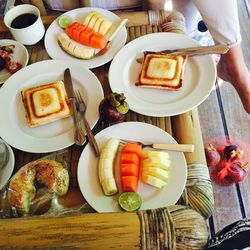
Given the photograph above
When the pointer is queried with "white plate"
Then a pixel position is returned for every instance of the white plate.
(5, 173)
(54, 30)
(151, 196)
(199, 77)
(56, 135)
(20, 55)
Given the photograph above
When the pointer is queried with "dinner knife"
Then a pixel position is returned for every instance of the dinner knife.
(194, 51)
(79, 135)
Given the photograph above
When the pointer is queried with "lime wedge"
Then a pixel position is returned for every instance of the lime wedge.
(64, 21)
(130, 201)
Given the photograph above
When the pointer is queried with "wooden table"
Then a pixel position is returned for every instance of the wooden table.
(174, 125)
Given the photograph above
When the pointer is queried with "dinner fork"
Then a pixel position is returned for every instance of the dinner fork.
(81, 107)
(187, 148)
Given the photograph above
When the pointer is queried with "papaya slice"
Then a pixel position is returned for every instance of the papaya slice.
(129, 183)
(97, 41)
(129, 169)
(130, 158)
(132, 148)
(85, 36)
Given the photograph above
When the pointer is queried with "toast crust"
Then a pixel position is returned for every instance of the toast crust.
(162, 71)
(45, 103)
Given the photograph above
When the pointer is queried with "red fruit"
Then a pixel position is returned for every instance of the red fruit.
(221, 151)
(13, 66)
(219, 173)
(227, 172)
(222, 177)
(233, 152)
(113, 108)
(212, 156)
(230, 152)
(237, 171)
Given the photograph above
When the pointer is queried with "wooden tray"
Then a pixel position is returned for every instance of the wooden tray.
(185, 128)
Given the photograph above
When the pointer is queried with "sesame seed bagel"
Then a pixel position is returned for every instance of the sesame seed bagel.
(22, 187)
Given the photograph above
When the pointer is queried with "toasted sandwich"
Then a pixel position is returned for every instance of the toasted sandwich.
(45, 103)
(162, 71)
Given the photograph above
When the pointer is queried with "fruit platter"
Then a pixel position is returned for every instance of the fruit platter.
(80, 34)
(157, 176)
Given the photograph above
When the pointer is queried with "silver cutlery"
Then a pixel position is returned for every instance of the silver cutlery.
(4, 155)
(195, 51)
(79, 135)
(187, 148)
(104, 50)
(81, 107)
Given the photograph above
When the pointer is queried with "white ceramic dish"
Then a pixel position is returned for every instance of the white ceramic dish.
(199, 77)
(5, 172)
(56, 135)
(20, 55)
(151, 196)
(54, 30)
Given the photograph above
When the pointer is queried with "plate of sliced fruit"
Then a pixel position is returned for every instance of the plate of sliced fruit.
(129, 175)
(81, 33)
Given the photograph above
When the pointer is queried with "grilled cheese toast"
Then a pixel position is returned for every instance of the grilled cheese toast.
(45, 103)
(164, 71)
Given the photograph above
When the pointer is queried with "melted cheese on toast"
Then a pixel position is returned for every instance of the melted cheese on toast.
(45, 103)
(164, 71)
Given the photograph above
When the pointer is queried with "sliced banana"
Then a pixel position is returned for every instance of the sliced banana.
(74, 48)
(106, 166)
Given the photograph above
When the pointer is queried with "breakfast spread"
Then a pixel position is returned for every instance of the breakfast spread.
(6, 59)
(83, 40)
(23, 185)
(162, 71)
(45, 103)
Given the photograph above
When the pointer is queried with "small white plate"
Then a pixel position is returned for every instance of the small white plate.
(5, 172)
(20, 55)
(199, 77)
(151, 197)
(56, 135)
(54, 30)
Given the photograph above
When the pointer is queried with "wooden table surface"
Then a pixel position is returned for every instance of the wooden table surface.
(221, 114)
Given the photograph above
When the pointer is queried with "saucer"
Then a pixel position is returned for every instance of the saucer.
(20, 55)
